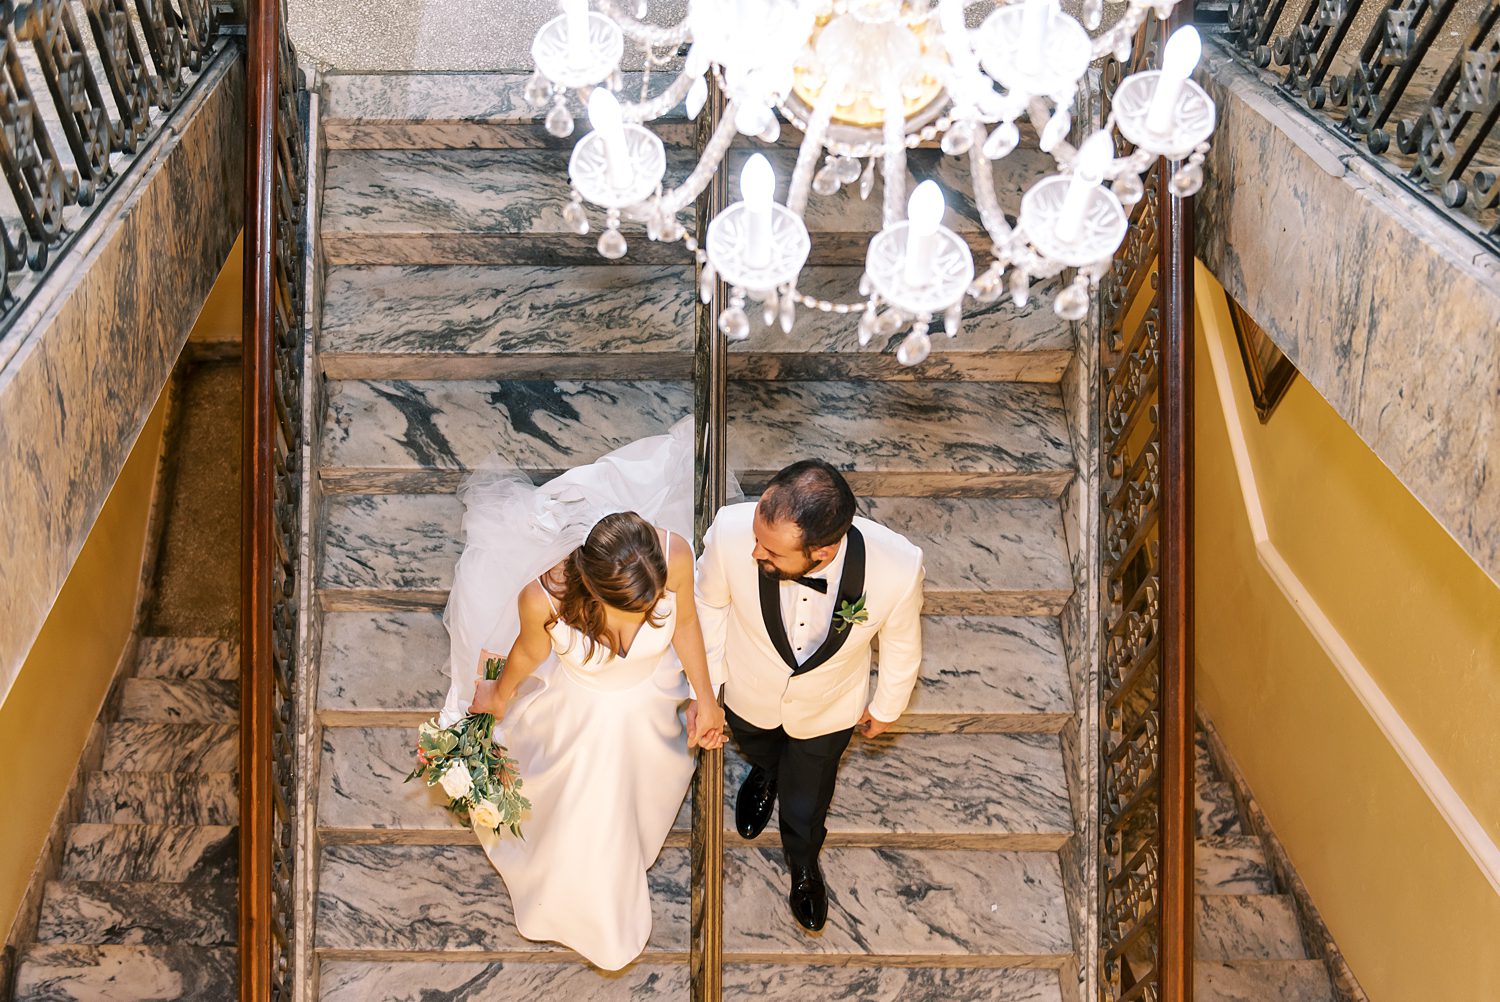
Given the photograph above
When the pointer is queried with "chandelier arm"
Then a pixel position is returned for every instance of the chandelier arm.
(650, 34)
(672, 202)
(982, 176)
(812, 145)
(659, 105)
(893, 166)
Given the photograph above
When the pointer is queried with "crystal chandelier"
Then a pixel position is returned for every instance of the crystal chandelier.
(864, 81)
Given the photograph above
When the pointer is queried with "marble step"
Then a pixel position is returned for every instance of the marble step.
(116, 973)
(194, 700)
(1232, 864)
(469, 981)
(980, 674)
(1217, 811)
(462, 111)
(1262, 981)
(390, 436)
(984, 556)
(187, 658)
(166, 853)
(919, 438)
(507, 322)
(165, 798)
(476, 206)
(532, 322)
(909, 907)
(976, 790)
(1247, 927)
(383, 899)
(150, 746)
(996, 439)
(94, 912)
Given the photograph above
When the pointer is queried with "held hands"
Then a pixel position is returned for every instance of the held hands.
(870, 727)
(705, 724)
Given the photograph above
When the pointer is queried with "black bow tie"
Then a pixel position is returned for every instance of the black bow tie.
(819, 585)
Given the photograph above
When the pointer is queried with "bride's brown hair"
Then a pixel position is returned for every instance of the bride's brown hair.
(621, 564)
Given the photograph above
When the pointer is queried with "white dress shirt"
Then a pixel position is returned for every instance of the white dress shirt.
(807, 615)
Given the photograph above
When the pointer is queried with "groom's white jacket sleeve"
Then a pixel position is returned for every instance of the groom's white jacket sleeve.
(711, 589)
(900, 654)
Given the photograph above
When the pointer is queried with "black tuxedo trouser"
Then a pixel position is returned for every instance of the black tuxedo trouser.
(806, 770)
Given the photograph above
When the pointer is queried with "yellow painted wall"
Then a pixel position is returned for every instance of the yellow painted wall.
(221, 321)
(45, 718)
(1412, 911)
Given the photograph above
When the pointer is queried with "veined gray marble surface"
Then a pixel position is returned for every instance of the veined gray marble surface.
(1247, 927)
(1232, 864)
(1386, 308)
(1217, 812)
(148, 746)
(168, 853)
(187, 657)
(119, 973)
(134, 798)
(207, 700)
(87, 912)
(1258, 980)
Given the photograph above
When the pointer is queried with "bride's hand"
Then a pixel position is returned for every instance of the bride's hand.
(706, 724)
(487, 699)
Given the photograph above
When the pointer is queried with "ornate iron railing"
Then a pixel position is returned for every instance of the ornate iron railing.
(275, 181)
(75, 107)
(1413, 84)
(1145, 677)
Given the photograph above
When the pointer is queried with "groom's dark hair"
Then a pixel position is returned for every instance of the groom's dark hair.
(815, 497)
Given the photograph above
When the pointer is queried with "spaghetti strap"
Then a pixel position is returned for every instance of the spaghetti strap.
(547, 591)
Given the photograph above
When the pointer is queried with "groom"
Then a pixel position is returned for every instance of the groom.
(791, 592)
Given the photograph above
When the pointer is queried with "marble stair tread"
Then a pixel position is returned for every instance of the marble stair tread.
(159, 852)
(1247, 927)
(400, 435)
(905, 438)
(431, 206)
(469, 981)
(195, 700)
(150, 746)
(990, 790)
(997, 341)
(126, 973)
(984, 556)
(905, 905)
(93, 912)
(168, 798)
(980, 674)
(1217, 811)
(1232, 864)
(460, 111)
(516, 322)
(187, 657)
(1003, 791)
(1262, 981)
(375, 899)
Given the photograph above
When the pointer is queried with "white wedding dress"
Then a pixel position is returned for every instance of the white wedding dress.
(600, 742)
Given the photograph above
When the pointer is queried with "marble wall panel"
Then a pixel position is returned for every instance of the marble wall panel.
(97, 345)
(1387, 308)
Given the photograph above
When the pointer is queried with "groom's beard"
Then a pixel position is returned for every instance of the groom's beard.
(770, 570)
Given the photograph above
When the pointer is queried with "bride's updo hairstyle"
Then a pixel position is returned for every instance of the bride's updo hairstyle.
(622, 565)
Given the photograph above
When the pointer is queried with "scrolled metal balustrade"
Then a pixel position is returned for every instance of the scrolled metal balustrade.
(1414, 85)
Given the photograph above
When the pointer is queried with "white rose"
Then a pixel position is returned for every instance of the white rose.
(456, 781)
(485, 815)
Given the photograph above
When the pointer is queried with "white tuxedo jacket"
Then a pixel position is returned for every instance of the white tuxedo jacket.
(749, 654)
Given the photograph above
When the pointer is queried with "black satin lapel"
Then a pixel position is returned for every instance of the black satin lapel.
(851, 587)
(770, 614)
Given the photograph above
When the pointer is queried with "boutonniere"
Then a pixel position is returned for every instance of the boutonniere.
(848, 615)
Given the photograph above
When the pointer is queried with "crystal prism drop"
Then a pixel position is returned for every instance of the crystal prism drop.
(1072, 303)
(612, 244)
(957, 140)
(1020, 288)
(848, 168)
(864, 284)
(953, 319)
(706, 282)
(867, 180)
(768, 310)
(641, 9)
(1128, 189)
(538, 90)
(560, 121)
(697, 97)
(733, 324)
(867, 327)
(1055, 130)
(826, 180)
(788, 311)
(576, 218)
(889, 323)
(915, 349)
(1187, 181)
(772, 131)
(1005, 138)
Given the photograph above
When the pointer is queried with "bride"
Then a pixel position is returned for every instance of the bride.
(587, 582)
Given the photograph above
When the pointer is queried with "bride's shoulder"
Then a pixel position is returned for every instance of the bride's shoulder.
(538, 596)
(679, 563)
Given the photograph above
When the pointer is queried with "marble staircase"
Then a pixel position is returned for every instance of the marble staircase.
(144, 905)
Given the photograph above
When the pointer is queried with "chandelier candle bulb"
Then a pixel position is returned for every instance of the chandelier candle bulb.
(1088, 173)
(605, 117)
(577, 14)
(924, 214)
(757, 188)
(1179, 60)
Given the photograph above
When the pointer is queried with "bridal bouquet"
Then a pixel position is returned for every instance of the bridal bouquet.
(481, 781)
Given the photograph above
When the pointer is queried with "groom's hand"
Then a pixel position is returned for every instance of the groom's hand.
(872, 728)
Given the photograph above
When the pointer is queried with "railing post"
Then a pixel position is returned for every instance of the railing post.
(711, 368)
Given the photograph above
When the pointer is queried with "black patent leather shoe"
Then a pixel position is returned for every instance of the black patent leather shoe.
(752, 807)
(809, 897)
